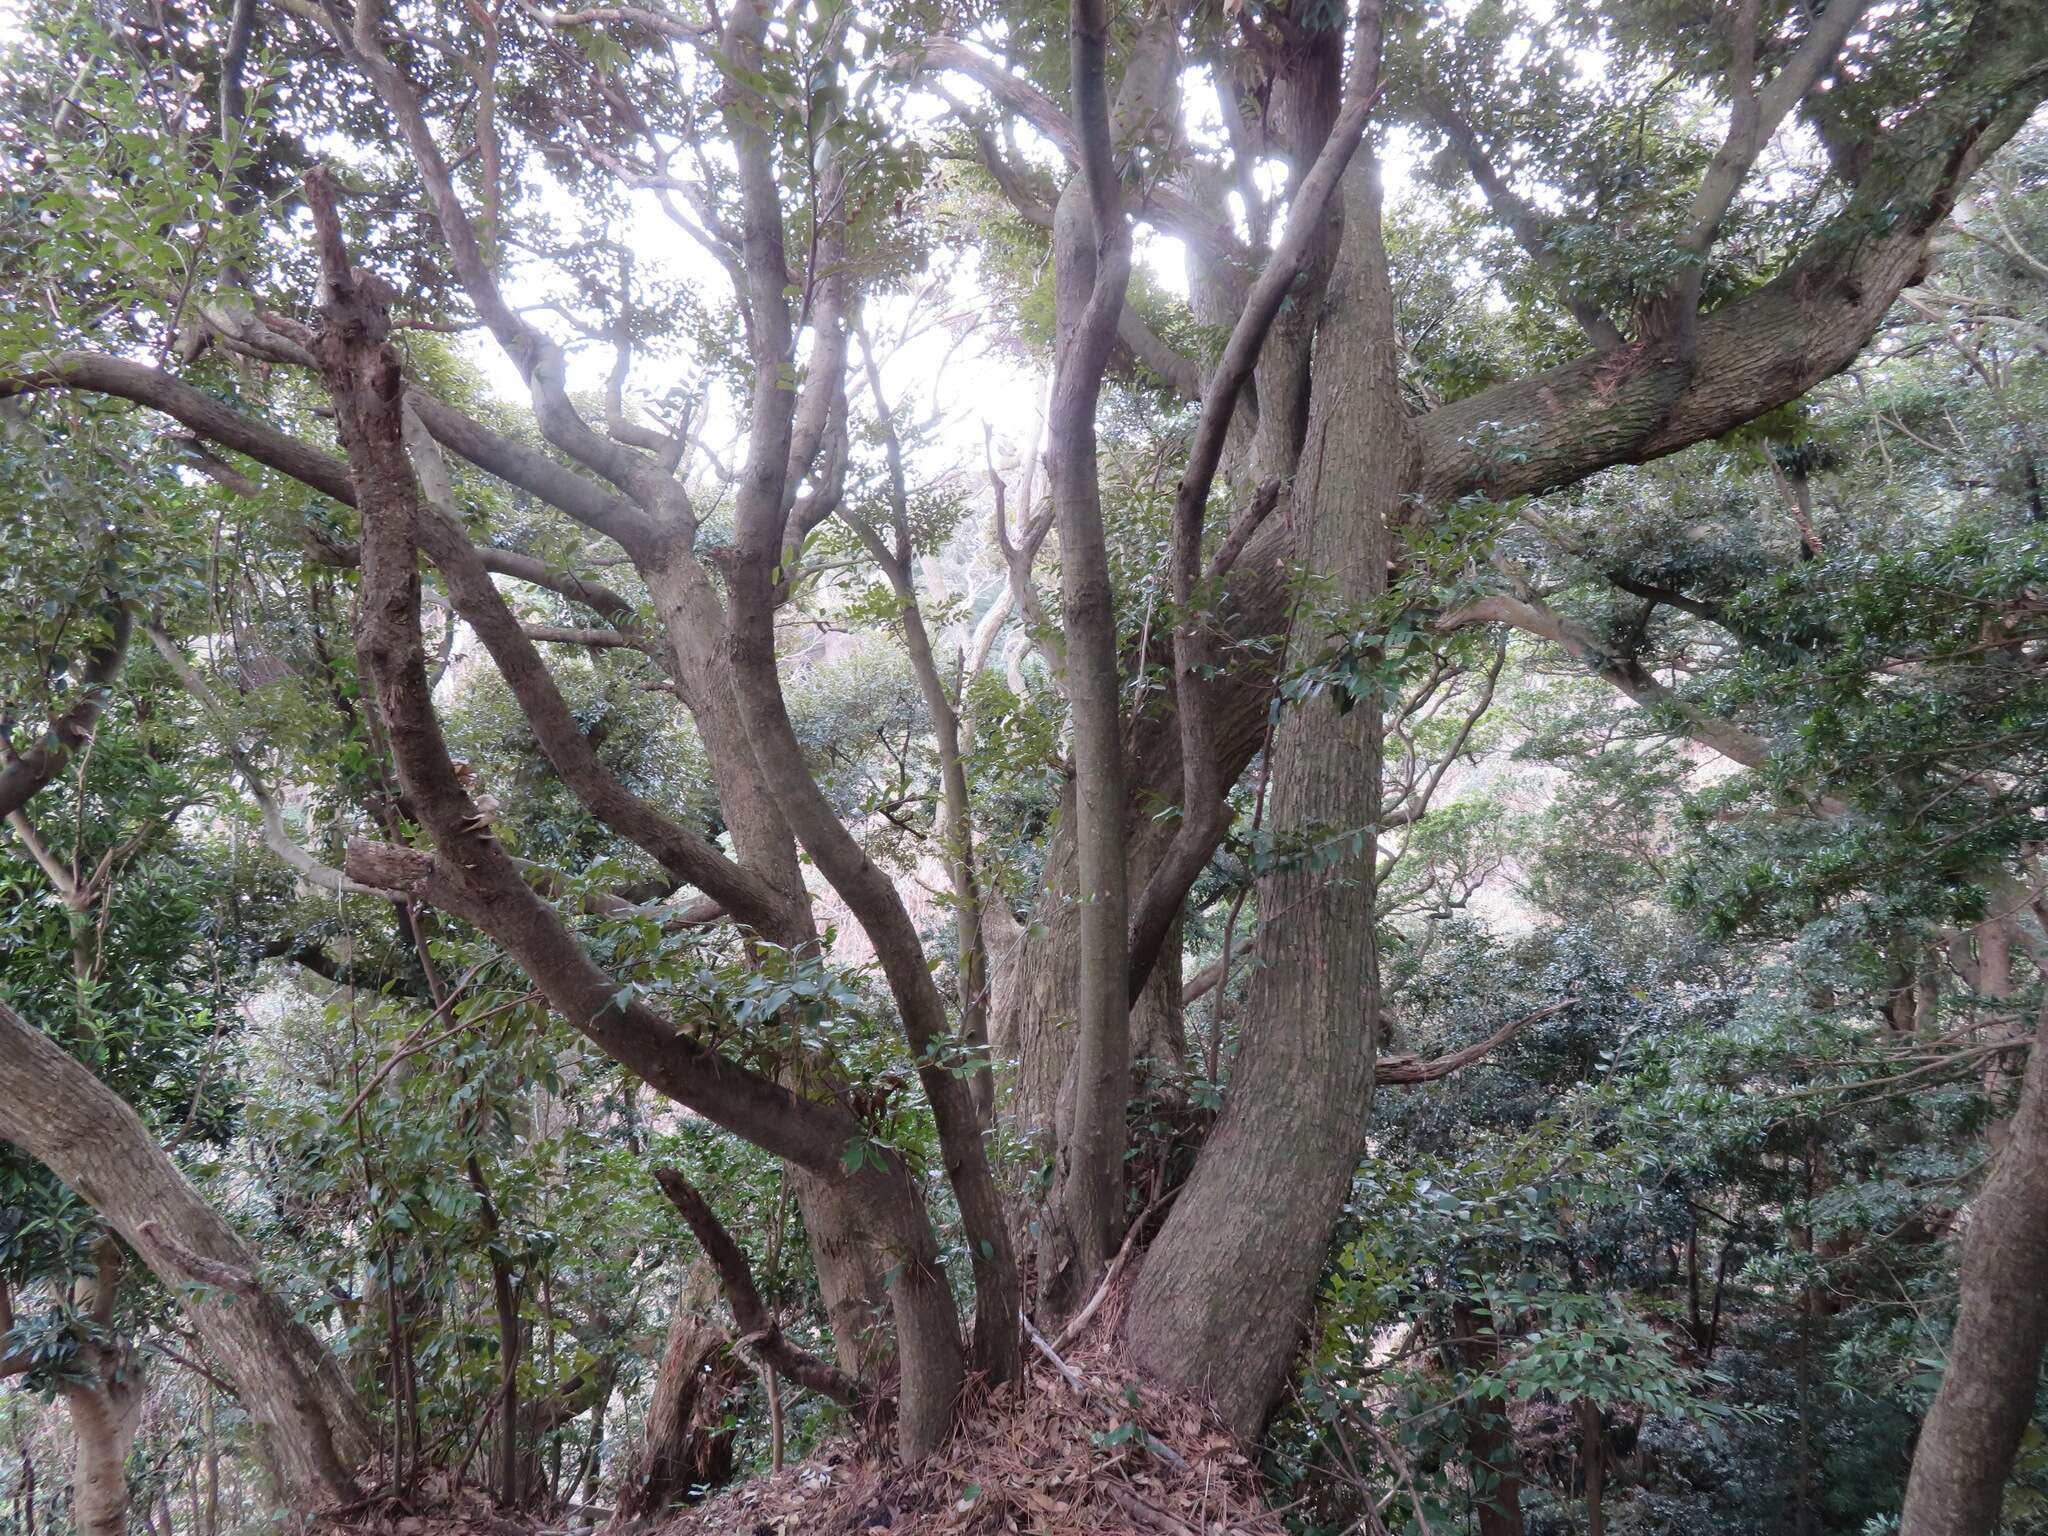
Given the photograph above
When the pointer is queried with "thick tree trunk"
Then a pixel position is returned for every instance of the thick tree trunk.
(1973, 1430)
(1227, 1288)
(1035, 992)
(313, 1432)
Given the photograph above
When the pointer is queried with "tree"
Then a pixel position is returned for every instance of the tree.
(773, 139)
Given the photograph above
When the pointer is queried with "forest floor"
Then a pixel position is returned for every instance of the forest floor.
(1076, 1447)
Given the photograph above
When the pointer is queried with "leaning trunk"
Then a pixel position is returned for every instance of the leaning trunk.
(1226, 1291)
(1986, 1401)
(313, 1432)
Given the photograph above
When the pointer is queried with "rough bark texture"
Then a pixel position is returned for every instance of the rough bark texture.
(1227, 1288)
(106, 1409)
(1973, 1430)
(684, 1442)
(1034, 992)
(313, 1432)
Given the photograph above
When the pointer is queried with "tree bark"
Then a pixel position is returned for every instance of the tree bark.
(106, 1411)
(1593, 1463)
(683, 1443)
(1091, 269)
(1986, 1400)
(104, 1419)
(313, 1432)
(1226, 1291)
(1489, 1437)
(927, 1320)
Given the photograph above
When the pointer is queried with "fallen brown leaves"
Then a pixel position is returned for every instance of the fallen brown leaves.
(1042, 1458)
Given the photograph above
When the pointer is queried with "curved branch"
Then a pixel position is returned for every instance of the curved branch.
(1393, 1070)
(540, 360)
(1642, 402)
(759, 1332)
(1203, 784)
(1533, 231)
(1164, 207)
(24, 776)
(1624, 672)
(217, 423)
(679, 851)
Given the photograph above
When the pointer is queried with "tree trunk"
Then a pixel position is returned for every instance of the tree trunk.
(104, 1419)
(1489, 1437)
(313, 1432)
(1083, 1219)
(694, 621)
(1227, 1289)
(683, 1442)
(1973, 1430)
(1035, 991)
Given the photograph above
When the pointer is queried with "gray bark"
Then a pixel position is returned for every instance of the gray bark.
(1986, 1400)
(313, 1432)
(1227, 1288)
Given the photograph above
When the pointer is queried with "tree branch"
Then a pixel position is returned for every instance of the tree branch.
(760, 1334)
(1533, 231)
(1395, 1070)
(25, 775)
(682, 853)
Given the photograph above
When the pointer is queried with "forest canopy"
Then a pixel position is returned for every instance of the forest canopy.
(1255, 766)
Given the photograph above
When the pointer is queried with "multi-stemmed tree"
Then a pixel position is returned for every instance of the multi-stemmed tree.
(1703, 216)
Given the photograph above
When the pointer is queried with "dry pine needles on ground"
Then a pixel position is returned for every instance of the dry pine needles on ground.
(1076, 1446)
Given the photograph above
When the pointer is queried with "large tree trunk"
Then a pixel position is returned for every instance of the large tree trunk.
(1035, 990)
(694, 622)
(1986, 1401)
(313, 1432)
(1226, 1290)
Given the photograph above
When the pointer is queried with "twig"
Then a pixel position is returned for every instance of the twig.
(1038, 1339)
(1080, 1320)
